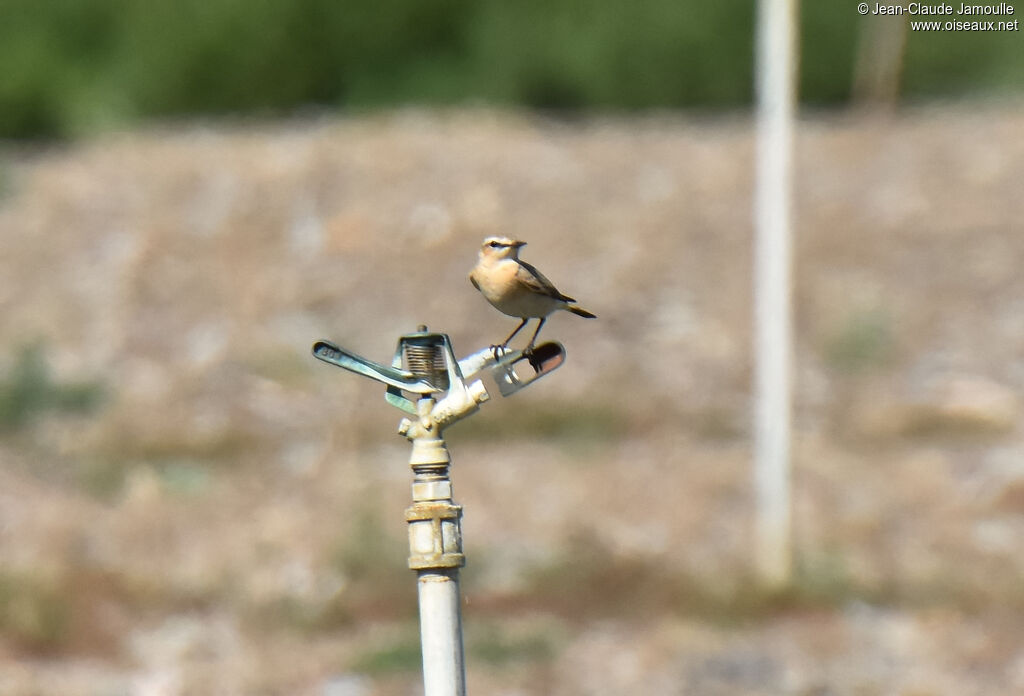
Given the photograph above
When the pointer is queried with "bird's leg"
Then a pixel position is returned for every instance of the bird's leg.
(504, 345)
(529, 346)
(528, 351)
(512, 335)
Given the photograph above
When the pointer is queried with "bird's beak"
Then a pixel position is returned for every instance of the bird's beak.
(516, 244)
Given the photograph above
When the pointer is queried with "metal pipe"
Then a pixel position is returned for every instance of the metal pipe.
(444, 673)
(425, 365)
(435, 552)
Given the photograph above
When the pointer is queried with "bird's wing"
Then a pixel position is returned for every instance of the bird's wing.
(535, 281)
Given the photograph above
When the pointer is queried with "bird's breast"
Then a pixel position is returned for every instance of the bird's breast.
(499, 285)
(497, 282)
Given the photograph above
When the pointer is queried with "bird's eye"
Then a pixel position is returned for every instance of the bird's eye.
(494, 245)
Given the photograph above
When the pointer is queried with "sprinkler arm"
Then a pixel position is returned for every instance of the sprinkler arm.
(392, 376)
(545, 359)
(462, 389)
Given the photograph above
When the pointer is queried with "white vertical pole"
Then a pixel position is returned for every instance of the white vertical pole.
(775, 70)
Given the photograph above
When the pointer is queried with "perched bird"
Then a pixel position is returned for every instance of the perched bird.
(516, 288)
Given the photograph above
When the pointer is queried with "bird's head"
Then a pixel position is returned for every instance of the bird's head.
(500, 248)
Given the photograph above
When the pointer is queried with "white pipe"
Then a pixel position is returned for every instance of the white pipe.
(772, 287)
(444, 673)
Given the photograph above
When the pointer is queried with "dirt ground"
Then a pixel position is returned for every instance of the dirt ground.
(191, 504)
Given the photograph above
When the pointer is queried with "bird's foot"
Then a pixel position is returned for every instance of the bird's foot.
(498, 350)
(531, 358)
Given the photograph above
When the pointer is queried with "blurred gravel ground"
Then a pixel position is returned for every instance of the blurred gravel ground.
(228, 519)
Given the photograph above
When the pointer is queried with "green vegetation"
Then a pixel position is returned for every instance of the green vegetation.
(864, 341)
(576, 428)
(75, 66)
(400, 655)
(28, 390)
(485, 642)
(378, 582)
(591, 580)
(500, 647)
(33, 613)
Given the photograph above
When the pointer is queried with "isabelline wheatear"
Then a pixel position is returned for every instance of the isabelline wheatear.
(516, 288)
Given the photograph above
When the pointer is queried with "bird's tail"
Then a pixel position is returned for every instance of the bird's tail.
(575, 309)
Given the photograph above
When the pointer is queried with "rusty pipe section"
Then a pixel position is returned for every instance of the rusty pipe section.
(435, 521)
